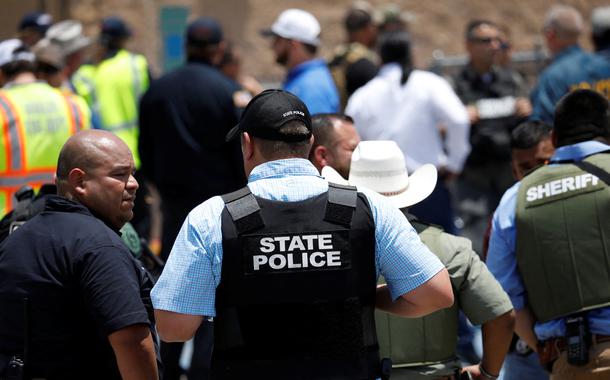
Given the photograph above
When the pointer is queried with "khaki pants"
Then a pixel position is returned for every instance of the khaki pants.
(598, 367)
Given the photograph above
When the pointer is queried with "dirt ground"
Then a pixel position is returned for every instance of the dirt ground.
(438, 24)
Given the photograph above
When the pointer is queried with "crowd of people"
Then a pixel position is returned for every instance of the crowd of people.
(360, 222)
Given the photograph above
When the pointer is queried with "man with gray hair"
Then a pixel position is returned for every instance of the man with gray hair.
(572, 67)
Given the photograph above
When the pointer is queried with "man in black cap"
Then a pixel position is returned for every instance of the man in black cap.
(184, 118)
(287, 266)
(33, 27)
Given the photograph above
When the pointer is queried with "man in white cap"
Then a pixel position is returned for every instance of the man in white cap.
(425, 348)
(296, 38)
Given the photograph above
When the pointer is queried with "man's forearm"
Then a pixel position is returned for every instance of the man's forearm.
(497, 335)
(524, 327)
(135, 354)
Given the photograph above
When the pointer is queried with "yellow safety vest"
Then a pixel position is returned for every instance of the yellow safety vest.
(113, 89)
(36, 119)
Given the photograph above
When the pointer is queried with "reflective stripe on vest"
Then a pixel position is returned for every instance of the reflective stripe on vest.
(113, 89)
(412, 342)
(14, 147)
(22, 125)
(563, 239)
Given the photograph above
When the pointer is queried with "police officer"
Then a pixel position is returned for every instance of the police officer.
(38, 120)
(113, 83)
(549, 242)
(88, 310)
(355, 63)
(571, 68)
(495, 98)
(287, 266)
(425, 348)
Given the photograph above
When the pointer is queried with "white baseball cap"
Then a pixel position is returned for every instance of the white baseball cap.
(296, 24)
(380, 166)
(11, 51)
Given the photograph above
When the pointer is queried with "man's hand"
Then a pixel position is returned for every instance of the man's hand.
(523, 107)
(473, 113)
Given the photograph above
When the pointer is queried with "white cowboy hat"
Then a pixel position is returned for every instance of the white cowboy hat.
(380, 166)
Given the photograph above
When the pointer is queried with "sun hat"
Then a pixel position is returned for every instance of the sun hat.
(380, 166)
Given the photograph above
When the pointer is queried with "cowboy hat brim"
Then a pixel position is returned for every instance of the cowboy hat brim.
(421, 184)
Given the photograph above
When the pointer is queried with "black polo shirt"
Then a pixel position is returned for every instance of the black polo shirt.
(184, 118)
(82, 284)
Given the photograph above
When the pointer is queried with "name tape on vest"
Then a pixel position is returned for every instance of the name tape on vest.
(265, 254)
(561, 186)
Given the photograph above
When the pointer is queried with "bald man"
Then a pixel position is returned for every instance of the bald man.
(87, 299)
(572, 67)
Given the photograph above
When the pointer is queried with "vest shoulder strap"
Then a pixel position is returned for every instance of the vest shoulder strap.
(341, 204)
(593, 169)
(244, 210)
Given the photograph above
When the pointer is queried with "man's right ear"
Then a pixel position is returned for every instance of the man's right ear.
(76, 180)
(320, 156)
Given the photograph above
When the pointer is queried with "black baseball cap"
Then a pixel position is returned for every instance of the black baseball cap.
(204, 31)
(267, 112)
(115, 27)
(39, 21)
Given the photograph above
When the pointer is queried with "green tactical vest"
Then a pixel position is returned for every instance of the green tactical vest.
(343, 56)
(563, 239)
(412, 342)
(113, 89)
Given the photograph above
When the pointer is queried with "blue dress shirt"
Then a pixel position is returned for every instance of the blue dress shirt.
(502, 262)
(312, 82)
(192, 272)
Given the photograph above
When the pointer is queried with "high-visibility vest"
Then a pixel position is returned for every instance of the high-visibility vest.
(113, 89)
(36, 119)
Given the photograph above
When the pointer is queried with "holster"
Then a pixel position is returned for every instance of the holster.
(547, 353)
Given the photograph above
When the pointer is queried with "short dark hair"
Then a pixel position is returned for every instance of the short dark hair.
(529, 134)
(581, 115)
(322, 127)
(474, 24)
(311, 49)
(14, 68)
(276, 149)
(357, 19)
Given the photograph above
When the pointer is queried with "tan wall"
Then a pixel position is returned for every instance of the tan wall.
(439, 24)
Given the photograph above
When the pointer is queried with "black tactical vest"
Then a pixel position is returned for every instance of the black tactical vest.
(297, 293)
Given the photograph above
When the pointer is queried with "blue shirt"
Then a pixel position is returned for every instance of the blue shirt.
(192, 272)
(572, 68)
(502, 262)
(312, 82)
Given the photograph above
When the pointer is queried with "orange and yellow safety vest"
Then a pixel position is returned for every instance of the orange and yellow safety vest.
(35, 120)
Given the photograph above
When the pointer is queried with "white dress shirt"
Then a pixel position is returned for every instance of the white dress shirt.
(411, 115)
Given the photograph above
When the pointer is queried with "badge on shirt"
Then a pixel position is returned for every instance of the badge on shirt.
(291, 253)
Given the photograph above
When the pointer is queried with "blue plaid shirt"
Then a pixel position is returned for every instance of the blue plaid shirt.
(192, 272)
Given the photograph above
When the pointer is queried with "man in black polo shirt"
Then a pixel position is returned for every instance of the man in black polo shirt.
(90, 312)
(184, 117)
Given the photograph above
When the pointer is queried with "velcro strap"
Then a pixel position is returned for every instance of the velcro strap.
(341, 204)
(244, 210)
